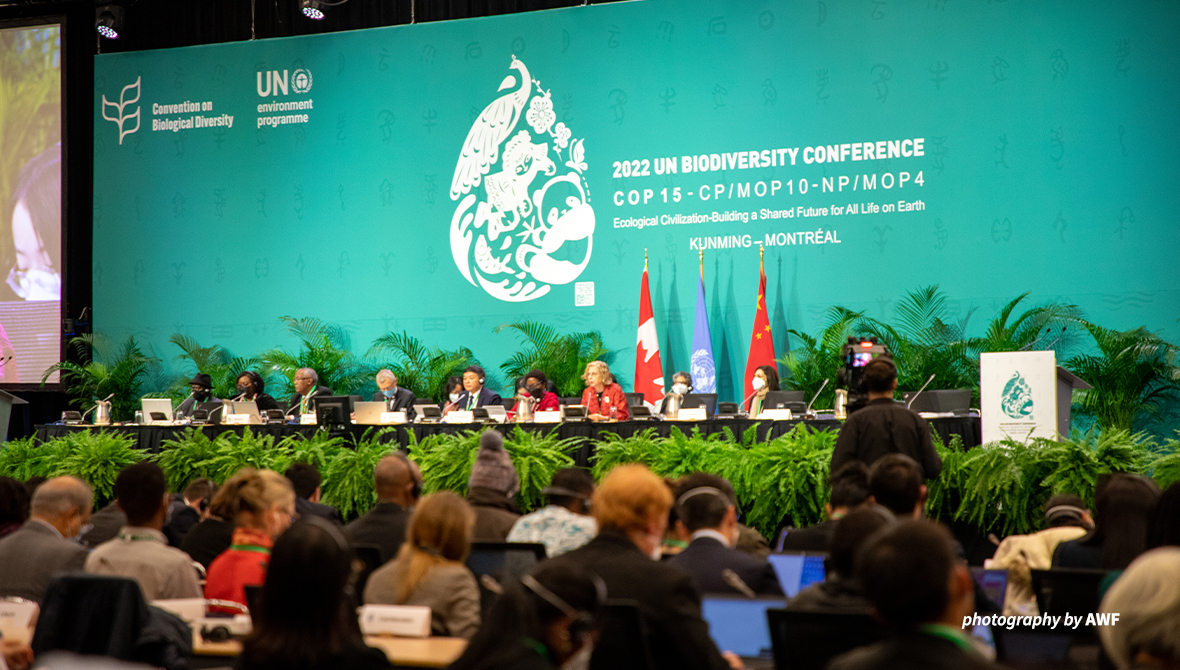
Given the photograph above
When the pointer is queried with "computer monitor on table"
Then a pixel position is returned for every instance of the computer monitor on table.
(333, 409)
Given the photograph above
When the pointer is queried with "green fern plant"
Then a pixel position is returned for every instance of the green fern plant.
(446, 460)
(679, 454)
(119, 374)
(1165, 463)
(97, 458)
(1078, 462)
(788, 479)
(537, 457)
(942, 493)
(247, 450)
(611, 450)
(348, 476)
(318, 449)
(189, 456)
(21, 459)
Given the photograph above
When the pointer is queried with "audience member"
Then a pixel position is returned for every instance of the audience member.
(895, 481)
(201, 386)
(140, 551)
(14, 505)
(304, 620)
(263, 505)
(306, 479)
(451, 395)
(41, 548)
(490, 489)
(398, 484)
(1123, 506)
(751, 542)
(603, 398)
(1164, 529)
(188, 508)
(922, 592)
(214, 533)
(885, 427)
(707, 507)
(1067, 519)
(565, 523)
(850, 489)
(429, 567)
(631, 507)
(1146, 599)
(547, 621)
(33, 482)
(251, 387)
(104, 525)
(839, 591)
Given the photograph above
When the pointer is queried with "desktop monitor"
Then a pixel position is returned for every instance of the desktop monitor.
(333, 409)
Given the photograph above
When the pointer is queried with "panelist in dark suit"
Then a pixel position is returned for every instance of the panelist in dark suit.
(306, 387)
(251, 387)
(706, 505)
(396, 399)
(474, 394)
(202, 391)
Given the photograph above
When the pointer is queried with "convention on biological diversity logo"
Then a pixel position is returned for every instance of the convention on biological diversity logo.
(519, 235)
(121, 116)
(1017, 400)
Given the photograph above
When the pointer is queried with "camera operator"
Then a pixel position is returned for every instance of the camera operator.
(884, 426)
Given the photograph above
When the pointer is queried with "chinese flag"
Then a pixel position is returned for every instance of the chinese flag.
(761, 343)
(649, 372)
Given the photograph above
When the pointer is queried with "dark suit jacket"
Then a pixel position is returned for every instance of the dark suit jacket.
(305, 507)
(384, 526)
(105, 525)
(911, 651)
(812, 538)
(296, 399)
(207, 540)
(403, 399)
(190, 403)
(484, 399)
(705, 558)
(32, 556)
(265, 402)
(886, 427)
(181, 522)
(677, 636)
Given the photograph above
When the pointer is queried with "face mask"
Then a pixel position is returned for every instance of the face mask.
(758, 383)
(35, 284)
(535, 390)
(679, 389)
(201, 395)
(245, 388)
(581, 658)
(389, 393)
(454, 397)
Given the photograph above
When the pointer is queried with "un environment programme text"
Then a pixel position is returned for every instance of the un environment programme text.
(854, 192)
(192, 115)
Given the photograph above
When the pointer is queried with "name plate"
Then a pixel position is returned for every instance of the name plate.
(459, 416)
(692, 414)
(547, 416)
(237, 419)
(307, 419)
(775, 415)
(393, 417)
(399, 620)
(15, 618)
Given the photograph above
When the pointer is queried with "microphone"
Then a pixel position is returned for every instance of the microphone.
(747, 398)
(1038, 339)
(737, 584)
(1057, 339)
(914, 397)
(821, 390)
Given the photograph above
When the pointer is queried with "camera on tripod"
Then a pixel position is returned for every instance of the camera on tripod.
(854, 356)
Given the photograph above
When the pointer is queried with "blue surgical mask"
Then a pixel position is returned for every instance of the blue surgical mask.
(389, 393)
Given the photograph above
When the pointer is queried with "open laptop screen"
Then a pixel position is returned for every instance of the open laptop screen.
(797, 570)
(739, 624)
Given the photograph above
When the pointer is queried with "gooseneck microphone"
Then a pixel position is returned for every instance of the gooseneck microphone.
(915, 396)
(821, 390)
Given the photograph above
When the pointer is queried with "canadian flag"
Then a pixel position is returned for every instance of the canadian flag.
(649, 372)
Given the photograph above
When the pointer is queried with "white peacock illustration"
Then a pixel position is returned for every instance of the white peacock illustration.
(519, 236)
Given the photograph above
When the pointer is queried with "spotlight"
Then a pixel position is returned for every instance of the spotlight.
(108, 21)
(311, 9)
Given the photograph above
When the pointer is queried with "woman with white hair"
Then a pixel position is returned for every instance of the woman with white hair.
(1147, 600)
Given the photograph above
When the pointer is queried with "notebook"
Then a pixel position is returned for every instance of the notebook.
(796, 570)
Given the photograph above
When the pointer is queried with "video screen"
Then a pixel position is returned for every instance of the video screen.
(30, 202)
(859, 360)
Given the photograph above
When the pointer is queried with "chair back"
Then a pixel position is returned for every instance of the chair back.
(504, 563)
(91, 614)
(633, 399)
(807, 640)
(622, 640)
(1072, 590)
(370, 558)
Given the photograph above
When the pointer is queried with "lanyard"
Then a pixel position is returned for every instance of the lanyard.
(303, 402)
(471, 399)
(949, 635)
(250, 547)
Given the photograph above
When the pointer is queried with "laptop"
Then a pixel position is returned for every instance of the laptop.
(738, 624)
(993, 583)
(368, 413)
(248, 407)
(156, 410)
(427, 413)
(796, 570)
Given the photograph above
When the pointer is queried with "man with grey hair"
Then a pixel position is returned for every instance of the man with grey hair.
(396, 399)
(1146, 600)
(42, 548)
(307, 386)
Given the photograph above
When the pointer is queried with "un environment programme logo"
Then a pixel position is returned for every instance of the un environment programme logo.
(520, 233)
(1017, 399)
(121, 117)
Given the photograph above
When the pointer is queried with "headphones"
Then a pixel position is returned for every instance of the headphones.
(255, 380)
(584, 622)
(702, 490)
(416, 491)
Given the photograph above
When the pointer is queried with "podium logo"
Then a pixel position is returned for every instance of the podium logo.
(273, 82)
(1017, 400)
(531, 225)
(121, 116)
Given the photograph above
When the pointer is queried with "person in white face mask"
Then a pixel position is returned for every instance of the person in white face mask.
(765, 380)
(547, 621)
(450, 400)
(681, 385)
(36, 230)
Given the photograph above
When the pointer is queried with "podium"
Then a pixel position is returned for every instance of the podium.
(1025, 394)
(7, 400)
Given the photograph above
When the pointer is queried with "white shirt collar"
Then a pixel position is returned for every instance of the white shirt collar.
(709, 532)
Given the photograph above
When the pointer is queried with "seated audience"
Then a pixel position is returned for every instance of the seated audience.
(839, 591)
(14, 505)
(490, 489)
(850, 490)
(565, 523)
(305, 479)
(396, 399)
(213, 535)
(474, 393)
(1147, 600)
(307, 386)
(398, 484)
(535, 387)
(895, 480)
(202, 391)
(1164, 529)
(451, 396)
(547, 621)
(251, 387)
(922, 592)
(1123, 507)
(104, 525)
(188, 508)
(42, 547)
(631, 506)
(429, 567)
(262, 503)
(140, 551)
(1067, 519)
(751, 542)
(603, 398)
(304, 620)
(707, 506)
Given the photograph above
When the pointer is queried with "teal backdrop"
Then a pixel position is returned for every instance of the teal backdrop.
(1035, 149)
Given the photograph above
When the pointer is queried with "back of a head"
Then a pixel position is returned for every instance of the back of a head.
(904, 571)
(703, 499)
(441, 526)
(391, 475)
(629, 496)
(575, 480)
(1123, 508)
(493, 468)
(56, 496)
(14, 502)
(1147, 599)
(253, 492)
(1164, 529)
(305, 479)
(140, 490)
(879, 375)
(850, 485)
(1065, 509)
(896, 482)
(850, 535)
(201, 488)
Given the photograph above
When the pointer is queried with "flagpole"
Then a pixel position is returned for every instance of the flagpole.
(645, 260)
(701, 253)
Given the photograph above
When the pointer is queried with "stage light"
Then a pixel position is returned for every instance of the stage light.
(108, 21)
(311, 9)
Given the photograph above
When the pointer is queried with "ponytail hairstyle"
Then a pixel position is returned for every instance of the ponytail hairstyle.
(439, 532)
(253, 492)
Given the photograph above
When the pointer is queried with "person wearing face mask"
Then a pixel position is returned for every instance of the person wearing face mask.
(396, 399)
(681, 386)
(547, 621)
(631, 507)
(707, 507)
(42, 548)
(202, 391)
(453, 393)
(250, 386)
(765, 380)
(36, 230)
(534, 388)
